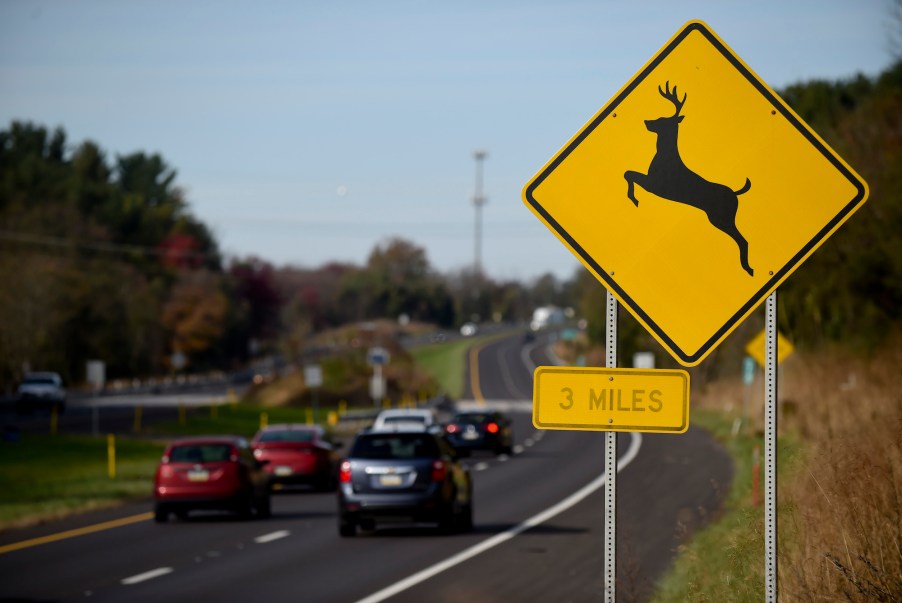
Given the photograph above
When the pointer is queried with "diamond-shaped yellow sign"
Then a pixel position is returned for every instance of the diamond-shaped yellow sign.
(756, 348)
(694, 192)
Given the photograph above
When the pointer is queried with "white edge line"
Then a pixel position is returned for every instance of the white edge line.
(570, 501)
(271, 536)
(160, 571)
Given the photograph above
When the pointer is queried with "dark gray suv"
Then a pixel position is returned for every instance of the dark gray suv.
(403, 476)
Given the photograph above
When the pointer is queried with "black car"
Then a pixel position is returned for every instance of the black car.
(480, 430)
(403, 476)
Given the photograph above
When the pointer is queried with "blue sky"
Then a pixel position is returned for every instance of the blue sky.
(310, 131)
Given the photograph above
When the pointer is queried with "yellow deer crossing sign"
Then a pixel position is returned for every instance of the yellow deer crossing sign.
(694, 192)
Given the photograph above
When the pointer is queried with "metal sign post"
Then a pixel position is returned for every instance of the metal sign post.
(610, 469)
(770, 451)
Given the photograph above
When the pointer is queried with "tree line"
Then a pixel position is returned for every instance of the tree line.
(101, 258)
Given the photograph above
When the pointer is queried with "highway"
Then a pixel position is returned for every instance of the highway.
(538, 527)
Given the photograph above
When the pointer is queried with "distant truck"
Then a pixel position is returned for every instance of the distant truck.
(546, 316)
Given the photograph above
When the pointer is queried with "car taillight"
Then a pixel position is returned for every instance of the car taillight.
(344, 472)
(452, 428)
(439, 470)
(492, 427)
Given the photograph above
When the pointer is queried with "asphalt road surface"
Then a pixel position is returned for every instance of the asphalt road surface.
(538, 533)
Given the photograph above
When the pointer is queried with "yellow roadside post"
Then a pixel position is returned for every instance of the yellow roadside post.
(264, 419)
(111, 455)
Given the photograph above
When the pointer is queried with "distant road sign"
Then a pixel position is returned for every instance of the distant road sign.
(748, 370)
(377, 356)
(313, 375)
(756, 349)
(694, 193)
(599, 399)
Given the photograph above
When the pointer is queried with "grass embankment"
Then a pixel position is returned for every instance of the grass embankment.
(446, 363)
(839, 489)
(46, 477)
(725, 561)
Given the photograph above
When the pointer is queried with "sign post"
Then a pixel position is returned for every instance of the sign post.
(610, 465)
(313, 379)
(377, 357)
(770, 451)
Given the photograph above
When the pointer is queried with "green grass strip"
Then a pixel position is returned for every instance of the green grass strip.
(725, 560)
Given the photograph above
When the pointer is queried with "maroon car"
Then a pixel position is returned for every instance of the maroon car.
(297, 455)
(210, 472)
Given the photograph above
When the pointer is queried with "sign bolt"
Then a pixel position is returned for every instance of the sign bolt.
(610, 420)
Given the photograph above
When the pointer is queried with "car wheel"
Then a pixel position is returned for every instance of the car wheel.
(465, 521)
(264, 507)
(446, 519)
(160, 514)
(346, 527)
(325, 484)
(246, 506)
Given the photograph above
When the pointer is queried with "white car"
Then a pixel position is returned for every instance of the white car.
(405, 419)
(42, 389)
(469, 329)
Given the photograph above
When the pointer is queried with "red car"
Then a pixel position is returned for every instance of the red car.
(210, 472)
(297, 454)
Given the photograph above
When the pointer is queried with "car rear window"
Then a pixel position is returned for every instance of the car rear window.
(394, 446)
(404, 419)
(288, 435)
(471, 418)
(200, 453)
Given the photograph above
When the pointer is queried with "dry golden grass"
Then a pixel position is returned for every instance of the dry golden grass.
(843, 539)
(840, 521)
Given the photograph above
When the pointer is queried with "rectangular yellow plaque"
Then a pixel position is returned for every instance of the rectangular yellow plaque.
(600, 399)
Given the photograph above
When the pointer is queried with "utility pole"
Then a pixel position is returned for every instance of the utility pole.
(478, 201)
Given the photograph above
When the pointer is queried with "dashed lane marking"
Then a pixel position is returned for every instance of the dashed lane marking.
(155, 573)
(271, 536)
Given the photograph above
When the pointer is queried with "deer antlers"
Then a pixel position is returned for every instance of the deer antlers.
(673, 97)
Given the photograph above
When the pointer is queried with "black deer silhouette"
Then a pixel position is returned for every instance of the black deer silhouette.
(669, 178)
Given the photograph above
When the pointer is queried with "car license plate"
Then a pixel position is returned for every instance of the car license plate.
(390, 480)
(470, 435)
(198, 475)
(282, 470)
